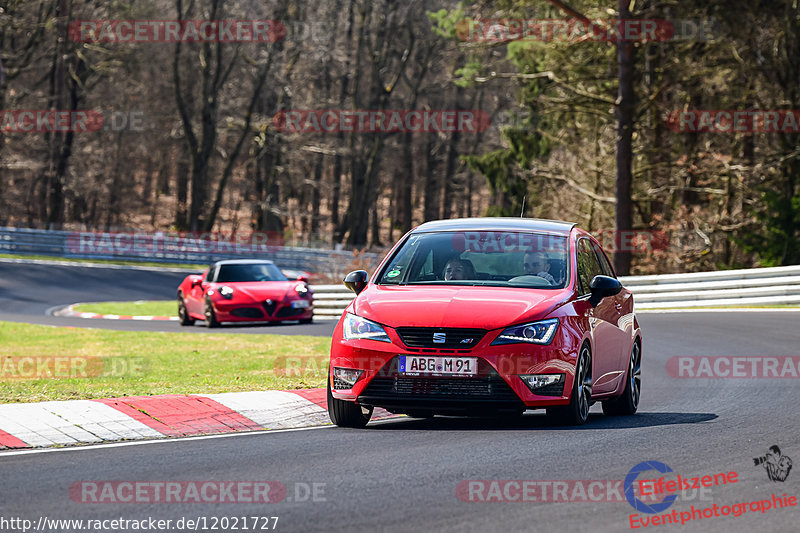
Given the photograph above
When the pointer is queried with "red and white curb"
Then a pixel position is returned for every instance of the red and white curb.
(71, 313)
(65, 423)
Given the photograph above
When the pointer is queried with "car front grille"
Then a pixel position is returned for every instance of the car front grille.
(269, 307)
(440, 337)
(461, 388)
(290, 311)
(390, 387)
(248, 312)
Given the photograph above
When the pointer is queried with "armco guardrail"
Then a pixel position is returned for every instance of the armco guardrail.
(757, 286)
(171, 248)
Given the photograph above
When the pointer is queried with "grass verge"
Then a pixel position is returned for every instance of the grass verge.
(141, 307)
(39, 363)
(121, 262)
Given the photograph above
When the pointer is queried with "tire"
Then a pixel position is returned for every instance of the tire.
(306, 320)
(183, 314)
(347, 414)
(628, 402)
(577, 412)
(211, 317)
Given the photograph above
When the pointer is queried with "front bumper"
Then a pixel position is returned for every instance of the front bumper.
(496, 385)
(233, 311)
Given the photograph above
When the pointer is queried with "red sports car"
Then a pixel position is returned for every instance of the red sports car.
(485, 316)
(244, 290)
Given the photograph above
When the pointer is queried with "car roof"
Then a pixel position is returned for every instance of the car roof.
(244, 262)
(497, 223)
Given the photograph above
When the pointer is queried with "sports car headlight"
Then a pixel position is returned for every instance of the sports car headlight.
(541, 332)
(356, 327)
(302, 290)
(226, 292)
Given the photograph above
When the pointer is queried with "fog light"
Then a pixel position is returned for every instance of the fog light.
(345, 378)
(547, 384)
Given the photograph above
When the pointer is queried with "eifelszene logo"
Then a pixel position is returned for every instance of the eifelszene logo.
(629, 487)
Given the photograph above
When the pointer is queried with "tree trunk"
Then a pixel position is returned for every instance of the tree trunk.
(431, 209)
(406, 186)
(625, 122)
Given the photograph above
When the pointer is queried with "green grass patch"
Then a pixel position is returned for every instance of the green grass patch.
(142, 307)
(39, 363)
(122, 262)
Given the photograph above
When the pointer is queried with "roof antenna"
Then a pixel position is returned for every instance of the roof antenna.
(522, 212)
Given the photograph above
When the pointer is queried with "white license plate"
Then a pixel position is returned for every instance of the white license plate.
(300, 304)
(416, 365)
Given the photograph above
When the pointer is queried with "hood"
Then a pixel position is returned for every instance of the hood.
(454, 306)
(260, 290)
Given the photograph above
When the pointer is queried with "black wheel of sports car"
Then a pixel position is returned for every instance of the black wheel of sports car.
(580, 400)
(183, 314)
(347, 414)
(628, 402)
(306, 320)
(211, 317)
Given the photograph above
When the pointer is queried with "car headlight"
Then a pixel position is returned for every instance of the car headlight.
(356, 327)
(541, 332)
(226, 292)
(301, 290)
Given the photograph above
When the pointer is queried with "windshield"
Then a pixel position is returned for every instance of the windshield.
(501, 258)
(249, 272)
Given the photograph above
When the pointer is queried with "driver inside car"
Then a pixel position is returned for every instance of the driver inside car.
(536, 264)
(458, 269)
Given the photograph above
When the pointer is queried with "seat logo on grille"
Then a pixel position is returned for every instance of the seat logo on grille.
(439, 338)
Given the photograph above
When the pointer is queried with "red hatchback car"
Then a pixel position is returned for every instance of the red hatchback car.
(244, 290)
(483, 316)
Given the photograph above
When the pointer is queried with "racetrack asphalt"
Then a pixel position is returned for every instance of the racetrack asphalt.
(402, 475)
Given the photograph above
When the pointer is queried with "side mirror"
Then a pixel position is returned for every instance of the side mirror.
(196, 280)
(302, 278)
(603, 286)
(356, 280)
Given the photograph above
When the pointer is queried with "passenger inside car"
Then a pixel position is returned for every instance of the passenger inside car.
(536, 264)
